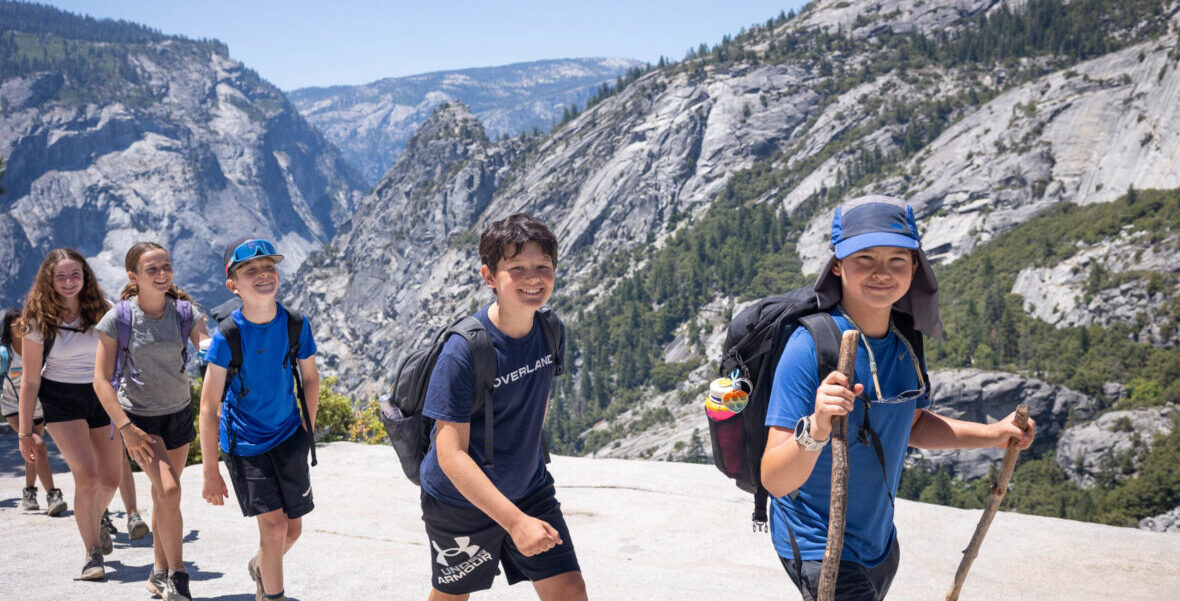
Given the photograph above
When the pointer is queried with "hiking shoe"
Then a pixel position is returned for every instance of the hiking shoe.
(107, 524)
(104, 539)
(55, 502)
(178, 587)
(136, 527)
(256, 575)
(28, 499)
(157, 583)
(94, 570)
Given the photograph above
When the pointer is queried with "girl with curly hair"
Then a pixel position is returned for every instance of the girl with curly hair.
(57, 324)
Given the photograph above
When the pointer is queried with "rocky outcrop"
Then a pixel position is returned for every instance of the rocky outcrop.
(1112, 447)
(1168, 522)
(1082, 135)
(1117, 281)
(985, 397)
(371, 123)
(181, 144)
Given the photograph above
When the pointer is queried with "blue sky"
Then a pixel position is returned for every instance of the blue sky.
(298, 43)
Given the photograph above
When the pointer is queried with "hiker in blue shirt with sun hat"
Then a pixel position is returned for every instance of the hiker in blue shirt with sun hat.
(877, 273)
(255, 359)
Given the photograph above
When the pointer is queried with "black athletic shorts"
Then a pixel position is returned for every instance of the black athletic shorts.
(61, 402)
(277, 479)
(467, 546)
(176, 429)
(37, 421)
(854, 582)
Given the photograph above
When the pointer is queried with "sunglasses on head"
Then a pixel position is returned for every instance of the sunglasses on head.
(250, 249)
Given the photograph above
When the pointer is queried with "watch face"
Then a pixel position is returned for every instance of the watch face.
(801, 426)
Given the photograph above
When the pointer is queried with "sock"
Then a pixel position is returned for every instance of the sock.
(278, 597)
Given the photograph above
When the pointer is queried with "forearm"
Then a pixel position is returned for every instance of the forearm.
(475, 486)
(30, 384)
(210, 429)
(785, 464)
(933, 431)
(109, 400)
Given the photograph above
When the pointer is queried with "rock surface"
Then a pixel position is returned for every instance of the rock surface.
(371, 123)
(190, 149)
(643, 530)
(1112, 447)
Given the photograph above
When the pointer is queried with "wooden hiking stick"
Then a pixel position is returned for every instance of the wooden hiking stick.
(999, 489)
(836, 516)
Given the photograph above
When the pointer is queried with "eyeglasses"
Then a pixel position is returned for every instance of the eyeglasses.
(902, 397)
(250, 249)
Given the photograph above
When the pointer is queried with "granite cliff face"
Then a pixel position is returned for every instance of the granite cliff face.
(372, 123)
(629, 171)
(151, 138)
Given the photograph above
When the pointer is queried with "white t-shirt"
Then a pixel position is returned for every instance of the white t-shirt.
(71, 360)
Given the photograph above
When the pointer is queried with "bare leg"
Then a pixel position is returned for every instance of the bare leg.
(562, 587)
(94, 462)
(277, 534)
(436, 595)
(127, 486)
(44, 470)
(167, 523)
(30, 467)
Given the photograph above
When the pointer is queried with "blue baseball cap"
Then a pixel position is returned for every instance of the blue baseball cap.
(878, 220)
(871, 221)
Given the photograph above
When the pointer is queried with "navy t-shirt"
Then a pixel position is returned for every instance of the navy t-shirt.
(523, 378)
(268, 414)
(869, 530)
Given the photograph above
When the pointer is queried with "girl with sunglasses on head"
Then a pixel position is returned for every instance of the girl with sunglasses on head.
(877, 274)
(59, 340)
(139, 376)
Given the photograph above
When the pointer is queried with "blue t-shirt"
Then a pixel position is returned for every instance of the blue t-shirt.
(268, 414)
(521, 394)
(869, 530)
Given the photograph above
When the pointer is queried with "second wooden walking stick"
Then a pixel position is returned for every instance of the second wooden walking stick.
(993, 504)
(831, 565)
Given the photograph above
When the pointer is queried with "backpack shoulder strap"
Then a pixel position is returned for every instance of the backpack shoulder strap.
(294, 332)
(184, 313)
(905, 325)
(485, 364)
(233, 339)
(122, 341)
(554, 336)
(826, 334)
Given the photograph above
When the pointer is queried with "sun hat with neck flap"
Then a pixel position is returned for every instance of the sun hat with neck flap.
(879, 220)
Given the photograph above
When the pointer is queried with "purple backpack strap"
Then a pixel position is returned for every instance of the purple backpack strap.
(184, 312)
(122, 353)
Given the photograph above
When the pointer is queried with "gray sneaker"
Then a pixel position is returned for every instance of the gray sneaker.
(157, 583)
(28, 499)
(104, 539)
(94, 570)
(256, 575)
(136, 527)
(56, 504)
(178, 587)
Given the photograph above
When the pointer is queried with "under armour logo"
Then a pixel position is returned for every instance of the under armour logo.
(462, 547)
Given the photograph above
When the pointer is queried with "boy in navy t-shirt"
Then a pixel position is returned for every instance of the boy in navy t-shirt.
(261, 433)
(877, 265)
(481, 517)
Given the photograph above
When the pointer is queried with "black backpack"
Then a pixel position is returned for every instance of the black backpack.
(229, 329)
(753, 344)
(411, 433)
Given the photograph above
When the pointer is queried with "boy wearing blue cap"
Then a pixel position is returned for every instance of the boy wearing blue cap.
(877, 268)
(249, 383)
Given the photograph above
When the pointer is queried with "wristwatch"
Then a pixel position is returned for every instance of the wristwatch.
(803, 435)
